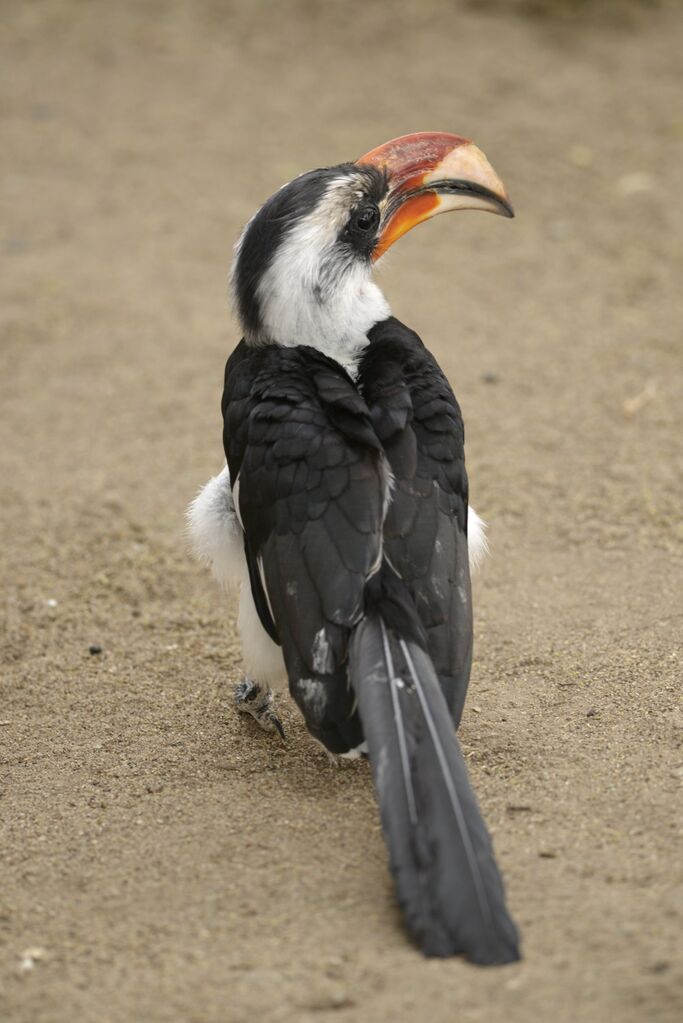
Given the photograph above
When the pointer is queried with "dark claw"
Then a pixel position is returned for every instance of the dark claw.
(278, 724)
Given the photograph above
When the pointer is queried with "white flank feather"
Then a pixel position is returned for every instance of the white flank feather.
(214, 532)
(477, 543)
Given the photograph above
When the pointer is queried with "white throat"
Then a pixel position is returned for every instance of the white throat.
(313, 293)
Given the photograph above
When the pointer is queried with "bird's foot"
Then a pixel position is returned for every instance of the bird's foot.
(256, 698)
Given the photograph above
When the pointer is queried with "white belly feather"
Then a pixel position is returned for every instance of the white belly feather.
(218, 541)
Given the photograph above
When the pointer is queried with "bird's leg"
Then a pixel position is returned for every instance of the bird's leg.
(256, 698)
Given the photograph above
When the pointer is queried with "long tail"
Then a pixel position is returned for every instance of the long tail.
(447, 880)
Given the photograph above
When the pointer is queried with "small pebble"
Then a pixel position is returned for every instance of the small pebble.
(340, 999)
(29, 957)
(636, 182)
(592, 713)
(94, 649)
(51, 602)
(490, 377)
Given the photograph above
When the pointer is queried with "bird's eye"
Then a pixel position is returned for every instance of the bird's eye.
(366, 219)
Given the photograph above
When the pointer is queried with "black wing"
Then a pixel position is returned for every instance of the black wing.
(419, 424)
(304, 458)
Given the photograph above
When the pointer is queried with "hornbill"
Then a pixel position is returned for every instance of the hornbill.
(343, 515)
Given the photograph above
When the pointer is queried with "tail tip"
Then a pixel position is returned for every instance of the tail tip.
(501, 951)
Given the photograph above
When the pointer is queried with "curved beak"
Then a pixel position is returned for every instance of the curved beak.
(432, 172)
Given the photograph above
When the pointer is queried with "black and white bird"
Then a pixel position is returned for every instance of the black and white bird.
(342, 515)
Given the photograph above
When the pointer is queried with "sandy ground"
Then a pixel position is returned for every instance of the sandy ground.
(160, 859)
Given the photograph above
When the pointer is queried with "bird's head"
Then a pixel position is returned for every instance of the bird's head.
(302, 272)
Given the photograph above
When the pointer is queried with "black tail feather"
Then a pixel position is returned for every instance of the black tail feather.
(441, 856)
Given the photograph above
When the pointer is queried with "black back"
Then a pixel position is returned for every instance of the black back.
(419, 424)
(306, 446)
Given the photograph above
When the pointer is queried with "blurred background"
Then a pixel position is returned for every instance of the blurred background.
(161, 859)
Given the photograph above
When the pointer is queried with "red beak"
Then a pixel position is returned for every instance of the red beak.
(432, 172)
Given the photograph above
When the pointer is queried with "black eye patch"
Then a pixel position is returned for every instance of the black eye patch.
(361, 228)
(365, 219)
